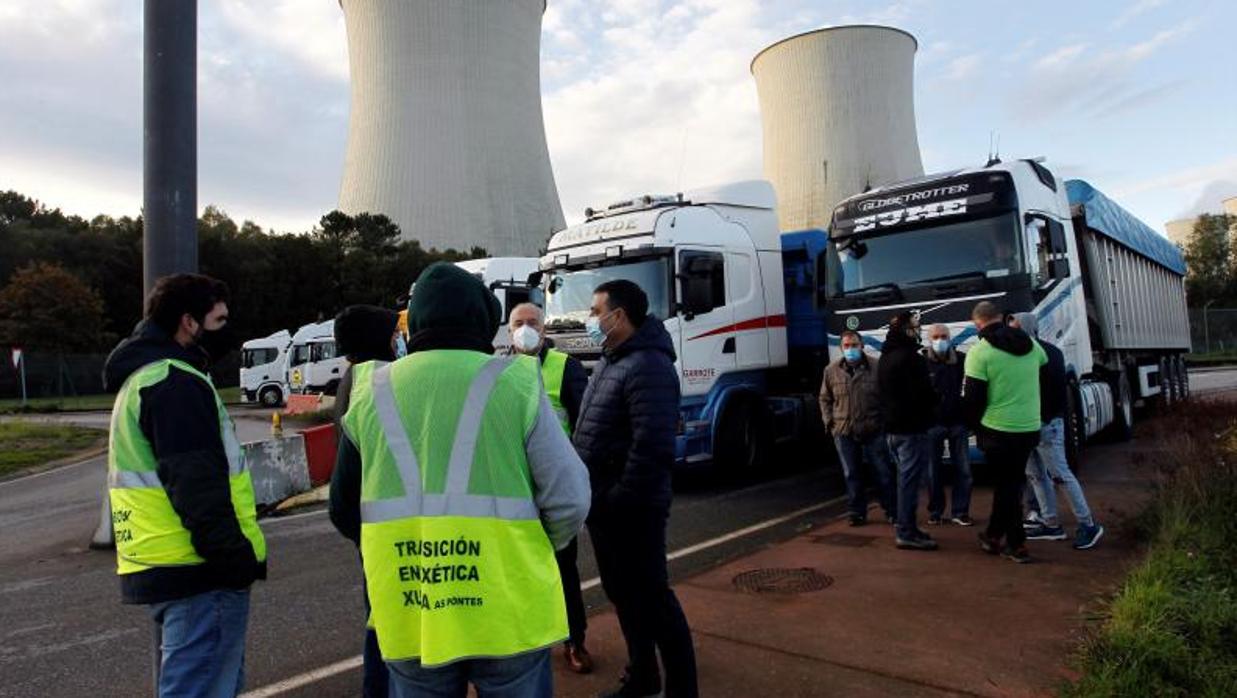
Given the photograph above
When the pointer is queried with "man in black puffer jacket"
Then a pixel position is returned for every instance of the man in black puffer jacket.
(909, 406)
(625, 435)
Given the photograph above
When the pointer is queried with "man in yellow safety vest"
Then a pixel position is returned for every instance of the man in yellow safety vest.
(188, 544)
(467, 486)
(565, 381)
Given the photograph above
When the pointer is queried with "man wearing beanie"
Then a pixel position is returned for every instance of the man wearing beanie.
(467, 485)
(362, 333)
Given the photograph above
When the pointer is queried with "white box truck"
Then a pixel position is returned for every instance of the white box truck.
(1105, 287)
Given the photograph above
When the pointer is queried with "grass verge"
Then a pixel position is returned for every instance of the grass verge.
(1171, 630)
(82, 403)
(24, 445)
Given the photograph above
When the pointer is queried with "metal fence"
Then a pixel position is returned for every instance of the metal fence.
(1213, 330)
(72, 375)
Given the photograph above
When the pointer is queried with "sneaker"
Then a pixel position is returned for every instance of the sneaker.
(1018, 555)
(1046, 532)
(629, 689)
(855, 521)
(1088, 536)
(934, 520)
(1032, 519)
(989, 545)
(963, 520)
(921, 541)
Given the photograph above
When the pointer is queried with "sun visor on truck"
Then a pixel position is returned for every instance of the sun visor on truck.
(1107, 217)
(942, 200)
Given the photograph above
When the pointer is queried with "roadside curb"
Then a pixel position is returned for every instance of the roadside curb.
(75, 459)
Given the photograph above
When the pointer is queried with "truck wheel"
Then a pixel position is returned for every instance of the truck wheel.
(1075, 428)
(270, 396)
(1168, 386)
(744, 440)
(331, 388)
(1122, 428)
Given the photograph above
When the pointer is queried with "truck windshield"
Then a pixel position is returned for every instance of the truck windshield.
(570, 291)
(257, 357)
(985, 247)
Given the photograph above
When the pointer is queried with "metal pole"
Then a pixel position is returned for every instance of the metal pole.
(1206, 330)
(21, 362)
(169, 140)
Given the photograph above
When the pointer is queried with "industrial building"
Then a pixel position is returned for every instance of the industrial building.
(445, 134)
(838, 115)
(1179, 230)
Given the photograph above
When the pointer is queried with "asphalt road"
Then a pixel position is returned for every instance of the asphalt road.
(63, 631)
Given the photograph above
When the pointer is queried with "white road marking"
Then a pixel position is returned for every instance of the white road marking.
(351, 663)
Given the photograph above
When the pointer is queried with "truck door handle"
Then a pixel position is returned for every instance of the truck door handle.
(728, 346)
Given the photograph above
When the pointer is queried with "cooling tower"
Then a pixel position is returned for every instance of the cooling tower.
(838, 113)
(445, 134)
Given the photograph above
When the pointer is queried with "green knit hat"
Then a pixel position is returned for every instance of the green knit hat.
(447, 297)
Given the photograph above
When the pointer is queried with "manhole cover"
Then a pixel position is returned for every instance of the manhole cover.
(849, 540)
(782, 580)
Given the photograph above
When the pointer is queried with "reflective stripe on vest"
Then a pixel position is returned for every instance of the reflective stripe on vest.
(148, 531)
(457, 563)
(552, 370)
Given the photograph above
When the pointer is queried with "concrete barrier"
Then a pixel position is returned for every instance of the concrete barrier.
(279, 468)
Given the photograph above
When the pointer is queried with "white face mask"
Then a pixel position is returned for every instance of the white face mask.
(526, 339)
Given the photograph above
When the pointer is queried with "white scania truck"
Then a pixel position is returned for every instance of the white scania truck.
(313, 366)
(1106, 288)
(264, 377)
(737, 298)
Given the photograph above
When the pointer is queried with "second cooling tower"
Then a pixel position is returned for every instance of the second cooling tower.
(838, 113)
(445, 134)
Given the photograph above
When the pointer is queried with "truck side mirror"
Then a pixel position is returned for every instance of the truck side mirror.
(1056, 232)
(1058, 268)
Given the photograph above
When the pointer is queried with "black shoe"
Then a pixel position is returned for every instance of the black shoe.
(922, 541)
(963, 520)
(988, 545)
(1018, 555)
(934, 520)
(630, 689)
(857, 521)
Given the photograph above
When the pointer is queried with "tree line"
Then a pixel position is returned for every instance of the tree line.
(71, 285)
(1211, 261)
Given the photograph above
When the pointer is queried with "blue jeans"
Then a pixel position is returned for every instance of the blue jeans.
(960, 460)
(200, 644)
(522, 676)
(1048, 463)
(852, 452)
(913, 453)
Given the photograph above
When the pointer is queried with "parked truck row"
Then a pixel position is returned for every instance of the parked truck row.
(755, 312)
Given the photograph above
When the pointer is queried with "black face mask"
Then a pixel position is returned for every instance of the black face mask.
(217, 344)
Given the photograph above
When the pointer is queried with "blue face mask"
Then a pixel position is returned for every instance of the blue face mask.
(593, 327)
(940, 346)
(401, 347)
(852, 354)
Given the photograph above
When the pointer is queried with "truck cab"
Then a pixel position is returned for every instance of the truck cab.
(1105, 288)
(264, 369)
(313, 365)
(710, 261)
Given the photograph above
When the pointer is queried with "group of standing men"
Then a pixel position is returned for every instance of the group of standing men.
(534, 426)
(900, 414)
(463, 478)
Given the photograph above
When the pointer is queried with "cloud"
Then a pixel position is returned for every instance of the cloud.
(964, 67)
(1190, 180)
(1136, 10)
(309, 32)
(1079, 78)
(668, 103)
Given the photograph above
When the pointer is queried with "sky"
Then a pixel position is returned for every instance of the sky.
(640, 96)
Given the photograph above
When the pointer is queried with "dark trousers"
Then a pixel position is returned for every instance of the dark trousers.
(577, 619)
(1007, 453)
(375, 678)
(630, 545)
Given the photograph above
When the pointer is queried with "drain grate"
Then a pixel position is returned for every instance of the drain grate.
(849, 540)
(782, 580)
